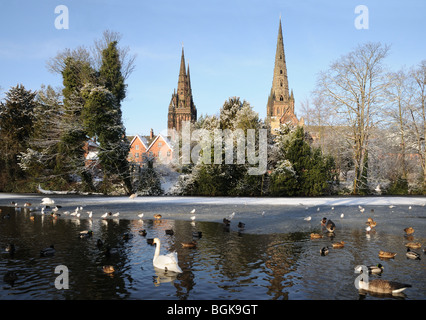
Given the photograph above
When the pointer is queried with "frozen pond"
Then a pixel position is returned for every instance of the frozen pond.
(273, 257)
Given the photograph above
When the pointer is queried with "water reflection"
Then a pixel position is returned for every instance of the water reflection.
(227, 263)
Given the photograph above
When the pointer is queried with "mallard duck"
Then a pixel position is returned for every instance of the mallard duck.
(170, 232)
(85, 234)
(386, 255)
(413, 245)
(157, 216)
(383, 286)
(324, 251)
(191, 244)
(108, 269)
(340, 244)
(10, 248)
(316, 236)
(226, 222)
(142, 232)
(412, 255)
(150, 241)
(126, 236)
(50, 251)
(167, 262)
(409, 230)
(373, 269)
(241, 225)
(330, 226)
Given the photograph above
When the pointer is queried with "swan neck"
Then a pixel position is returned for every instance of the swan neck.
(157, 249)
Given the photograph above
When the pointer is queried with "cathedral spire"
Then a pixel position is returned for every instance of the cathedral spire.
(280, 106)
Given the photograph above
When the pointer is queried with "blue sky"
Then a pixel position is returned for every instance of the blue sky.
(229, 45)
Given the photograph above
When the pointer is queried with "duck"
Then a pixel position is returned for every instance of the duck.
(85, 234)
(413, 245)
(373, 269)
(383, 286)
(323, 221)
(338, 245)
(412, 255)
(324, 251)
(142, 232)
(226, 221)
(386, 255)
(170, 232)
(316, 236)
(150, 241)
(157, 216)
(10, 248)
(167, 262)
(330, 226)
(371, 223)
(108, 269)
(409, 230)
(126, 236)
(241, 225)
(49, 251)
(191, 244)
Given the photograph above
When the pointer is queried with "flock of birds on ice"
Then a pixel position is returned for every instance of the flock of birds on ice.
(169, 262)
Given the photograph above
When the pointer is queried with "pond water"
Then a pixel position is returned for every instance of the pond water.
(273, 257)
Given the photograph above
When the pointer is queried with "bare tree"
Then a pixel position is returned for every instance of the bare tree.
(93, 55)
(354, 87)
(418, 114)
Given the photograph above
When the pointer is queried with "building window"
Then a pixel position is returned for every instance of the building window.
(137, 147)
(160, 144)
(281, 72)
(281, 98)
(136, 155)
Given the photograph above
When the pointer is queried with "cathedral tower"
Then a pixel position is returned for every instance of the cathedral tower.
(181, 107)
(280, 107)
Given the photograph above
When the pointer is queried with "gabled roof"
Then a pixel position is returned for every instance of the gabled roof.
(165, 139)
(142, 139)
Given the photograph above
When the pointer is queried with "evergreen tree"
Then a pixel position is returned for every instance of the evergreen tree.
(16, 125)
(303, 171)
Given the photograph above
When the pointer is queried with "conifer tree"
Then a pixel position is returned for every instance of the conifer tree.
(16, 125)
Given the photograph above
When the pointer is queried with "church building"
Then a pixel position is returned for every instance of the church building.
(181, 107)
(280, 107)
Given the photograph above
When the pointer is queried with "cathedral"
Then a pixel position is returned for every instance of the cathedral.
(280, 106)
(181, 107)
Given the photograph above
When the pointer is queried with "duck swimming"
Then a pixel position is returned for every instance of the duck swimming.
(316, 236)
(324, 251)
(191, 244)
(409, 230)
(412, 255)
(413, 245)
(386, 255)
(340, 244)
(373, 269)
(50, 251)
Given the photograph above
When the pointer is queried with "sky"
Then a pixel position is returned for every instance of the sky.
(229, 45)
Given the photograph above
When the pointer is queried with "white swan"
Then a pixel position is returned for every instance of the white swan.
(47, 201)
(167, 262)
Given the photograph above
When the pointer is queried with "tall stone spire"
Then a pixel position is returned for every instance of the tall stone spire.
(280, 106)
(181, 107)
